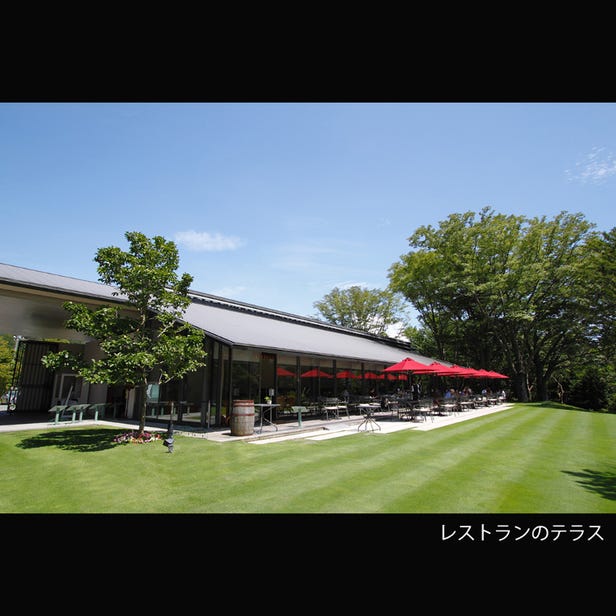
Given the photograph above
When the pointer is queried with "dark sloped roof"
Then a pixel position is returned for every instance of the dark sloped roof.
(28, 278)
(240, 324)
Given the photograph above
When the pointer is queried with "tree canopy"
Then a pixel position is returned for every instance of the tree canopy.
(370, 310)
(7, 346)
(143, 340)
(506, 292)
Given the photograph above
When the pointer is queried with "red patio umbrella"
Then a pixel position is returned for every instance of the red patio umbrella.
(442, 370)
(284, 372)
(496, 375)
(373, 375)
(347, 374)
(396, 377)
(410, 365)
(470, 373)
(483, 373)
(314, 373)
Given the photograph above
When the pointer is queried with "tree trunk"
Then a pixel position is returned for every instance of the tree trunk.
(542, 376)
(519, 387)
(143, 404)
(542, 389)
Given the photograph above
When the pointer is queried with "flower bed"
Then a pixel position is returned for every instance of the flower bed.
(138, 437)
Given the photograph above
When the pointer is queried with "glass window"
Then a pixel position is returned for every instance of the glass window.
(348, 375)
(317, 379)
(286, 381)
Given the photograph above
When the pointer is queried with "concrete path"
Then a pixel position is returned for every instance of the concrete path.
(387, 426)
(315, 430)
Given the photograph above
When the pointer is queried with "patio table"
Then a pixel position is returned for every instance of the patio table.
(262, 407)
(368, 423)
(423, 411)
(448, 407)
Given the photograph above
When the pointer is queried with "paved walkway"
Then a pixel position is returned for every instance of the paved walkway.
(312, 429)
(335, 429)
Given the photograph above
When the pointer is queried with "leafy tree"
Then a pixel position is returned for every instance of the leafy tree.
(600, 272)
(7, 346)
(143, 341)
(505, 292)
(451, 279)
(591, 378)
(555, 300)
(370, 310)
(422, 340)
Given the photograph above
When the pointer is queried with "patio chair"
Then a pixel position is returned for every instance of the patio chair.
(403, 409)
(425, 408)
(342, 407)
(329, 408)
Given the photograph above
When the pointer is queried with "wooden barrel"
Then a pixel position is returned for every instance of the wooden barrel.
(243, 418)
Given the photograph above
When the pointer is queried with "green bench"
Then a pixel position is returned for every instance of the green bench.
(62, 412)
(299, 410)
(96, 410)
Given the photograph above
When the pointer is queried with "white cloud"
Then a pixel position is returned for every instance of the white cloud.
(229, 292)
(306, 257)
(347, 285)
(207, 242)
(595, 168)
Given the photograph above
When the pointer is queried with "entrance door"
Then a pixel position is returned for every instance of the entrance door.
(68, 388)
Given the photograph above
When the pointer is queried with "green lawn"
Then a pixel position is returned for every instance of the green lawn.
(529, 459)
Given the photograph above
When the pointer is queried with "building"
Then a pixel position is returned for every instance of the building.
(253, 352)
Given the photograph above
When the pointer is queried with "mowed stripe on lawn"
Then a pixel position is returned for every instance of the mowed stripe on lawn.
(525, 459)
(386, 472)
(454, 471)
(515, 461)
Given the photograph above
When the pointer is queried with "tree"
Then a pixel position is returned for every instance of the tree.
(370, 310)
(7, 347)
(601, 275)
(144, 340)
(451, 278)
(501, 291)
(421, 340)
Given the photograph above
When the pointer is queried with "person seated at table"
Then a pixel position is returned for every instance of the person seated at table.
(416, 391)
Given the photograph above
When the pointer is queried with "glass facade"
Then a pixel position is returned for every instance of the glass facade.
(206, 397)
(237, 369)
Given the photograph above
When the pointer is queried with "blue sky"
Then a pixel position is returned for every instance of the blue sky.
(276, 204)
